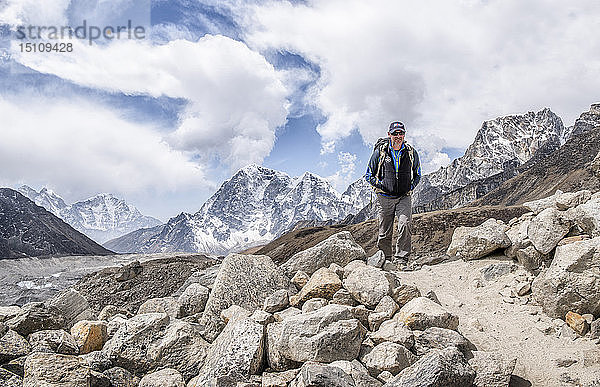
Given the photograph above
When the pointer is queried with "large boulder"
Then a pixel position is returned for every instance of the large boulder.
(72, 305)
(53, 341)
(572, 199)
(476, 242)
(446, 367)
(244, 280)
(193, 299)
(518, 236)
(49, 369)
(237, 353)
(90, 335)
(128, 348)
(8, 312)
(120, 377)
(439, 338)
(314, 374)
(587, 217)
(394, 331)
(493, 370)
(422, 313)
(548, 228)
(325, 335)
(9, 379)
(166, 377)
(358, 372)
(572, 281)
(12, 346)
(322, 284)
(387, 356)
(368, 284)
(537, 206)
(36, 316)
(339, 248)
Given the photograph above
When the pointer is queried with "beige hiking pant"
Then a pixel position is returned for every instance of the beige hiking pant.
(387, 210)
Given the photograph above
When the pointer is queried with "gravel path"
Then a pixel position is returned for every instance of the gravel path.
(491, 322)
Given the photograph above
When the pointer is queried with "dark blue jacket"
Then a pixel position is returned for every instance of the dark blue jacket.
(395, 179)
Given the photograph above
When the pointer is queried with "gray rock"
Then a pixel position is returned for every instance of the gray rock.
(289, 312)
(446, 367)
(313, 304)
(518, 236)
(497, 270)
(439, 338)
(377, 259)
(404, 293)
(572, 282)
(278, 379)
(168, 305)
(12, 346)
(193, 299)
(262, 317)
(493, 370)
(530, 258)
(3, 329)
(595, 329)
(587, 217)
(343, 297)
(16, 366)
(97, 361)
(129, 347)
(114, 324)
(358, 372)
(361, 313)
(244, 280)
(385, 376)
(572, 199)
(72, 306)
(121, 377)
(325, 335)
(236, 353)
(351, 266)
(547, 229)
(537, 206)
(9, 379)
(36, 316)
(234, 312)
(167, 377)
(8, 312)
(422, 313)
(389, 266)
(323, 283)
(368, 285)
(433, 297)
(476, 242)
(300, 279)
(394, 331)
(383, 311)
(110, 311)
(337, 269)
(276, 302)
(339, 248)
(387, 356)
(49, 369)
(53, 341)
(314, 374)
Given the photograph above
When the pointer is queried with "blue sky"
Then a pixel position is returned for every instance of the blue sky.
(295, 86)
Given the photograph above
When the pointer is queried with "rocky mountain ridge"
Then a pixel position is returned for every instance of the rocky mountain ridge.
(27, 229)
(101, 217)
(253, 207)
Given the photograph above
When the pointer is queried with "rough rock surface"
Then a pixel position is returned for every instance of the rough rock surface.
(244, 280)
(53, 341)
(547, 229)
(36, 316)
(492, 369)
(446, 367)
(322, 284)
(237, 353)
(9, 379)
(325, 335)
(422, 313)
(12, 346)
(168, 305)
(339, 248)
(572, 282)
(394, 331)
(477, 242)
(193, 299)
(48, 369)
(72, 306)
(387, 356)
(317, 374)
(166, 377)
(368, 284)
(439, 338)
(90, 335)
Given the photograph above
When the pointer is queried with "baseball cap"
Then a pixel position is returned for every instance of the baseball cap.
(396, 126)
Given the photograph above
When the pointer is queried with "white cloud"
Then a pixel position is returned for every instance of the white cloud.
(345, 174)
(82, 148)
(236, 99)
(441, 67)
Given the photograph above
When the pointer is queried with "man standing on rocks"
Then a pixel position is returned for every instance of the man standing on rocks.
(394, 171)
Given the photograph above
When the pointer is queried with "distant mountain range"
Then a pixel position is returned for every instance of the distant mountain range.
(101, 217)
(28, 230)
(253, 207)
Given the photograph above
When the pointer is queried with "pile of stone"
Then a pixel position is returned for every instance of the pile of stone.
(559, 243)
(323, 318)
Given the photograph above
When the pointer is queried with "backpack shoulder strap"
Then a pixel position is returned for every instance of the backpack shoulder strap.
(411, 156)
(381, 145)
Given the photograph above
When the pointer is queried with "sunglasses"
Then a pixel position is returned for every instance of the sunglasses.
(398, 133)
